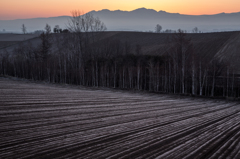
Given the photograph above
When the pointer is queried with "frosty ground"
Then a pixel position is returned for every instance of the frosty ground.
(61, 121)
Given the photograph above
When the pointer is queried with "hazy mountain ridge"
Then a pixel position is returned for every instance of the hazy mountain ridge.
(145, 19)
(141, 19)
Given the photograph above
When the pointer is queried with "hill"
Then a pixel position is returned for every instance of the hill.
(199, 64)
(220, 45)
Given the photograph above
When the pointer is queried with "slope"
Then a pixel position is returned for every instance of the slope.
(220, 45)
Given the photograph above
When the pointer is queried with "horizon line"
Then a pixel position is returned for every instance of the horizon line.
(123, 11)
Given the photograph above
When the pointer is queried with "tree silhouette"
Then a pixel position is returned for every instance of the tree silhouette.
(158, 28)
(24, 29)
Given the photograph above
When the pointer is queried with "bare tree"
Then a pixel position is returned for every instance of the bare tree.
(158, 28)
(180, 53)
(48, 29)
(83, 28)
(195, 30)
(24, 29)
(80, 22)
(203, 71)
(56, 29)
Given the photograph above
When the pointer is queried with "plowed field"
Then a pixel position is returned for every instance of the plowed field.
(60, 121)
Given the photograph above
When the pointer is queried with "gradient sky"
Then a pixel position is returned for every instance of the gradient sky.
(22, 9)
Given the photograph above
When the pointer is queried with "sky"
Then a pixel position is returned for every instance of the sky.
(23, 9)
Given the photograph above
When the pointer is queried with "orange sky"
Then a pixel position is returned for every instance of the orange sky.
(21, 9)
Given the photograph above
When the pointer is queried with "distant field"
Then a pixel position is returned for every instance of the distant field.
(16, 37)
(60, 121)
(10, 39)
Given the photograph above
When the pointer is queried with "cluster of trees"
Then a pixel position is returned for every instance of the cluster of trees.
(189, 72)
(158, 29)
(57, 29)
(80, 57)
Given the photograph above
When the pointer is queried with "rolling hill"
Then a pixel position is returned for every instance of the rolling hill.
(220, 45)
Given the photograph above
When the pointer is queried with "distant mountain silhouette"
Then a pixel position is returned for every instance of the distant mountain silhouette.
(141, 19)
(146, 19)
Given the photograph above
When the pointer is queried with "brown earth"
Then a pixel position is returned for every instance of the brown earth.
(39, 120)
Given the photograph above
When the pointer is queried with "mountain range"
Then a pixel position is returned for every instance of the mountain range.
(141, 19)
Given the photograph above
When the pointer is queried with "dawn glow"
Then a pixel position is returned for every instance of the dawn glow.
(16, 9)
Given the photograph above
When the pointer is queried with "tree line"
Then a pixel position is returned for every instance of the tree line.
(82, 57)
